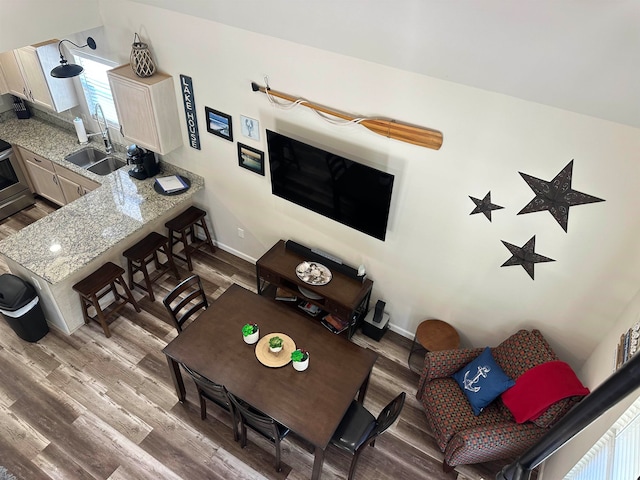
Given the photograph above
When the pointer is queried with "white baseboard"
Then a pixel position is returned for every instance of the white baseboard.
(401, 331)
(235, 252)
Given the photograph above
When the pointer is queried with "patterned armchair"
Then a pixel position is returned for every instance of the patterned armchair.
(494, 434)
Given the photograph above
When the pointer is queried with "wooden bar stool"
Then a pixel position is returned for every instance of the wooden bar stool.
(142, 254)
(183, 227)
(95, 286)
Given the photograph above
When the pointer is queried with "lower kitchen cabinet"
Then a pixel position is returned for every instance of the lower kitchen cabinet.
(43, 177)
(72, 184)
(54, 182)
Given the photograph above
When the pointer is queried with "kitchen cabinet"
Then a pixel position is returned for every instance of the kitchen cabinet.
(146, 108)
(73, 185)
(53, 181)
(27, 73)
(43, 177)
(3, 83)
(13, 74)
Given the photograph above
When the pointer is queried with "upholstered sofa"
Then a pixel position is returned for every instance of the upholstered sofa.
(494, 434)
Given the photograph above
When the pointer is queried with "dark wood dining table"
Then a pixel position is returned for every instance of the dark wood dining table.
(310, 403)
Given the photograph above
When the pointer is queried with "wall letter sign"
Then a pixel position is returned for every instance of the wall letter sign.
(190, 111)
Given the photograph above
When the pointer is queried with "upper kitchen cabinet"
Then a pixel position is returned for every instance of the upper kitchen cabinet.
(147, 109)
(26, 72)
(3, 83)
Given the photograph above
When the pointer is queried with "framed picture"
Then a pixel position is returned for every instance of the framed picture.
(219, 123)
(251, 159)
(250, 127)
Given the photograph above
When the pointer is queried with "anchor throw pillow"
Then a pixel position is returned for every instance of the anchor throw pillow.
(482, 381)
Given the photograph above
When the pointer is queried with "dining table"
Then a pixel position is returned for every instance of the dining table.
(311, 403)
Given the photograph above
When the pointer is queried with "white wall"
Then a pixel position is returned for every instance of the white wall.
(437, 261)
(24, 22)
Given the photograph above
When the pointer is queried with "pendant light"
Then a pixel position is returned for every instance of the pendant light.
(68, 70)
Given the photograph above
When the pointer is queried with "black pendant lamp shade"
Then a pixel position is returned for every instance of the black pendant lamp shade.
(65, 69)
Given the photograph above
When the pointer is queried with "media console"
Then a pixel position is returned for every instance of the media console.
(345, 297)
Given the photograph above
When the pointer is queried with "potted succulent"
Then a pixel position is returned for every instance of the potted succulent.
(300, 359)
(275, 344)
(250, 333)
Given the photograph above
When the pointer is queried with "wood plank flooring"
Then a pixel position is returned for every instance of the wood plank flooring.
(89, 407)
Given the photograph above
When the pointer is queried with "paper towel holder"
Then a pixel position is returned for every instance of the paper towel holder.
(83, 138)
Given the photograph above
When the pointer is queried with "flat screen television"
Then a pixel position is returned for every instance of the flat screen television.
(346, 191)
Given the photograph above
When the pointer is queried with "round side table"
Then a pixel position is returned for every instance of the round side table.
(434, 335)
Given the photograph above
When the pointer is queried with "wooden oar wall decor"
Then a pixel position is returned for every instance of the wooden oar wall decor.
(424, 137)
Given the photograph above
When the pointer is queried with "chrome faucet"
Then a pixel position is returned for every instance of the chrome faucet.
(106, 136)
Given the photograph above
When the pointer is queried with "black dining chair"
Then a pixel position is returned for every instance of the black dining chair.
(185, 300)
(208, 390)
(260, 423)
(360, 428)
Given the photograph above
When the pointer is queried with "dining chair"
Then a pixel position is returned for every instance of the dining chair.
(260, 423)
(360, 428)
(208, 390)
(184, 300)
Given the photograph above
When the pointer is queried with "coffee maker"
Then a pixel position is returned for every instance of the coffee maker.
(144, 161)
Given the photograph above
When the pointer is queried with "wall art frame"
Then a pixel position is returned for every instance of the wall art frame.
(251, 159)
(219, 123)
(250, 127)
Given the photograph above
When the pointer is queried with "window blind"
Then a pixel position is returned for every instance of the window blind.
(95, 85)
(615, 455)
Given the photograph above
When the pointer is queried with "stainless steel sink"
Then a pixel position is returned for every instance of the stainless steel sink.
(95, 161)
(86, 157)
(106, 166)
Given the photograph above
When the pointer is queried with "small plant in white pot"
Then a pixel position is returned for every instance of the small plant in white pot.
(300, 359)
(250, 333)
(275, 344)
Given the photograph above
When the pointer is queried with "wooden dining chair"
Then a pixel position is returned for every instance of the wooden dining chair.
(208, 390)
(260, 423)
(185, 300)
(360, 428)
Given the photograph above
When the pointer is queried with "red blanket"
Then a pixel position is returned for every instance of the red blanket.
(540, 387)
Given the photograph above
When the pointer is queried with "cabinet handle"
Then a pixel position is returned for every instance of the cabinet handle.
(37, 160)
(80, 190)
(55, 179)
(121, 132)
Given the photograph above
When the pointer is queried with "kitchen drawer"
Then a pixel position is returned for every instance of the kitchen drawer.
(42, 162)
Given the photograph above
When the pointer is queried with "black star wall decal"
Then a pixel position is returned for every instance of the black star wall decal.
(484, 206)
(556, 196)
(525, 256)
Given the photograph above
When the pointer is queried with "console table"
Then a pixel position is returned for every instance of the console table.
(343, 297)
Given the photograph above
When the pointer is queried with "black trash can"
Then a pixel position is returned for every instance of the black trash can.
(20, 307)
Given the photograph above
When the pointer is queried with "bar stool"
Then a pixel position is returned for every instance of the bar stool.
(95, 286)
(182, 227)
(142, 254)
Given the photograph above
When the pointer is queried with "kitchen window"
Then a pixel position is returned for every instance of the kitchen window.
(95, 85)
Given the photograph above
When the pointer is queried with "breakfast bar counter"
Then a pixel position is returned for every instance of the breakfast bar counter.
(59, 250)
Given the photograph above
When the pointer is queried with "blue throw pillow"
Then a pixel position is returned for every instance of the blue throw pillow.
(482, 381)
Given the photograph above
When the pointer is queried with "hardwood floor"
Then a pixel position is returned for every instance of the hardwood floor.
(89, 407)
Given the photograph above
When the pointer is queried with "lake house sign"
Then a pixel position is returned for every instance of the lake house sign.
(190, 111)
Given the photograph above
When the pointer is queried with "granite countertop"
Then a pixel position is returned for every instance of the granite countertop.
(51, 142)
(68, 239)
